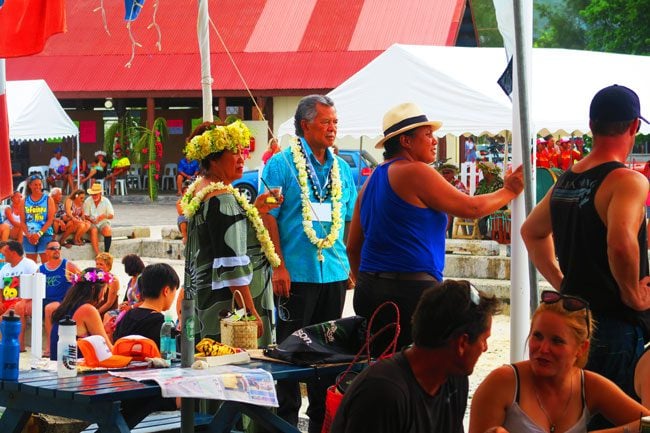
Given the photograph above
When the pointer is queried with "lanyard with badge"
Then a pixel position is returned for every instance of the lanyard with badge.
(320, 211)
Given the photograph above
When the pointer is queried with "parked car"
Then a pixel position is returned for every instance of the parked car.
(361, 162)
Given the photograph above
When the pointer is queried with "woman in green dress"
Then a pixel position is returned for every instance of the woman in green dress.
(228, 248)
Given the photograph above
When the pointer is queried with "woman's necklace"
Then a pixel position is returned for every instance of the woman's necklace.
(552, 425)
(336, 191)
(191, 202)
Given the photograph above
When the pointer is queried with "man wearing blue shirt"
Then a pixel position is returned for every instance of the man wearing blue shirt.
(187, 170)
(307, 230)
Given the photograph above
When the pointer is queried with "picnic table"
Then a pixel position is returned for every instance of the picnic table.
(97, 397)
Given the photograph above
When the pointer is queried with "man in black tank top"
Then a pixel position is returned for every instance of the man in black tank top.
(588, 237)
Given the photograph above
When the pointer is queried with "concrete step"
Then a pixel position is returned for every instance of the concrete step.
(500, 288)
(469, 266)
(144, 247)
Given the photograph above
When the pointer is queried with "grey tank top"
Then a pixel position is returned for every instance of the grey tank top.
(518, 421)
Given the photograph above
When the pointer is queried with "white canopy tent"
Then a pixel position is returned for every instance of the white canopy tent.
(35, 113)
(458, 86)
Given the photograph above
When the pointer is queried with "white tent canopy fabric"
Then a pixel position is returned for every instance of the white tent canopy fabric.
(457, 85)
(35, 113)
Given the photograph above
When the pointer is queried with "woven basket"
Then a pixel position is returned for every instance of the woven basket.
(242, 333)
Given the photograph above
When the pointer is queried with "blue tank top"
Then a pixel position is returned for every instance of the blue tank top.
(36, 214)
(56, 283)
(398, 236)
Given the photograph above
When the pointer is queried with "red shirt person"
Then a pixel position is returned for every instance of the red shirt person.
(542, 158)
(568, 156)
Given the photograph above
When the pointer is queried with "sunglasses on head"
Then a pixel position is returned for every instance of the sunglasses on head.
(570, 303)
(474, 299)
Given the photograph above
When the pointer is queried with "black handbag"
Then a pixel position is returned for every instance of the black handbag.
(323, 343)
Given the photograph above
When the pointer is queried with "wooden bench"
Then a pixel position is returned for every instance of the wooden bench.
(465, 229)
(161, 422)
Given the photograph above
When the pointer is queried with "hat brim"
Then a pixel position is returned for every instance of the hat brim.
(93, 192)
(115, 361)
(434, 124)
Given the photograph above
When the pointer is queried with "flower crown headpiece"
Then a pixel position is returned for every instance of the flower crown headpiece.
(93, 277)
(234, 137)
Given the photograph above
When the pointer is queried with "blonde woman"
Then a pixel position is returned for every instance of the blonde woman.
(76, 218)
(104, 262)
(551, 392)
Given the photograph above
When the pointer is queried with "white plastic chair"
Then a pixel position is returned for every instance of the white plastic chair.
(169, 174)
(120, 187)
(41, 170)
(134, 176)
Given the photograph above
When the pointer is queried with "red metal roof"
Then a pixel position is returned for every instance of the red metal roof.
(277, 44)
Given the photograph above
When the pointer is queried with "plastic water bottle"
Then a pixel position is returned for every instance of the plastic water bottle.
(66, 348)
(9, 346)
(167, 340)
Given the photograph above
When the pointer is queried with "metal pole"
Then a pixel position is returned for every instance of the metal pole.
(204, 49)
(520, 288)
(522, 67)
(187, 358)
(187, 305)
(78, 163)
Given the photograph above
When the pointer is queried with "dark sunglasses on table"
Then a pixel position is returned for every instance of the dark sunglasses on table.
(570, 303)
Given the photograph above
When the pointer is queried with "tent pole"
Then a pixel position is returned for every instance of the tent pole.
(78, 163)
(520, 289)
(359, 167)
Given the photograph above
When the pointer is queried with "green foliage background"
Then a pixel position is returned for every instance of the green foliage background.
(619, 26)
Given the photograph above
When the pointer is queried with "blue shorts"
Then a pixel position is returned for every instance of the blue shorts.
(39, 248)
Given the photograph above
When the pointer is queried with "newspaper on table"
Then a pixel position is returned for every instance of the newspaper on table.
(226, 382)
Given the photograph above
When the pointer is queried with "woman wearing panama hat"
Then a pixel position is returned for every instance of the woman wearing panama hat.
(396, 243)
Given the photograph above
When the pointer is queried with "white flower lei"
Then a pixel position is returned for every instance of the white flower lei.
(337, 222)
(190, 203)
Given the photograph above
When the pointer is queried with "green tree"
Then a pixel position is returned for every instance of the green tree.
(563, 25)
(618, 26)
(486, 23)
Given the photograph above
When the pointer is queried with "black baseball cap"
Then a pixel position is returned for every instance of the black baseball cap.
(615, 104)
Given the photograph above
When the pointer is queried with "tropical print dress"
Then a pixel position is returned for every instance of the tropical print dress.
(222, 251)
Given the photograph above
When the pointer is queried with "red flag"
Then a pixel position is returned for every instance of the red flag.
(6, 180)
(26, 25)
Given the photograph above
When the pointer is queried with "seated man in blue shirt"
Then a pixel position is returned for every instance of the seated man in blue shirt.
(187, 170)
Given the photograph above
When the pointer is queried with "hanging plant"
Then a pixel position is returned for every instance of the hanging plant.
(149, 150)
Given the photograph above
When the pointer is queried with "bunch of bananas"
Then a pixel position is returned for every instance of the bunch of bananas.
(210, 347)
